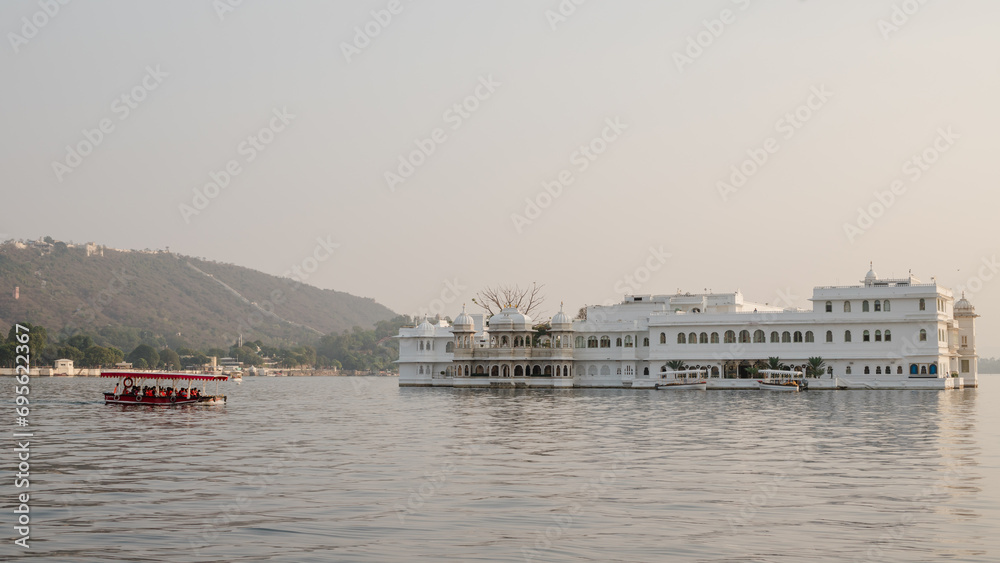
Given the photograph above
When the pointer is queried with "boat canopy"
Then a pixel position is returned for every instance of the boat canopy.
(164, 375)
(686, 371)
(779, 372)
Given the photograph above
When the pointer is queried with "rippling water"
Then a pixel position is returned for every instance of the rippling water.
(356, 469)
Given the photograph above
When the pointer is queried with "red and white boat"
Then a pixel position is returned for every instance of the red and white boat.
(695, 379)
(162, 388)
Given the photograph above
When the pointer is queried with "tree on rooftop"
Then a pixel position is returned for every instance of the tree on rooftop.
(493, 299)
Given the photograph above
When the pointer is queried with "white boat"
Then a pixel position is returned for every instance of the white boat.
(694, 379)
(780, 380)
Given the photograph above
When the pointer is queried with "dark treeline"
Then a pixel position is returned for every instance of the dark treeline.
(355, 349)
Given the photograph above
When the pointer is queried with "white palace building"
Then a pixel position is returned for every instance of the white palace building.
(884, 333)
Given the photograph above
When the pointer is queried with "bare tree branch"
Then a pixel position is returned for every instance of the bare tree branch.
(493, 299)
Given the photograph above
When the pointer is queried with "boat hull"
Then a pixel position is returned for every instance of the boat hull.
(786, 387)
(112, 399)
(694, 385)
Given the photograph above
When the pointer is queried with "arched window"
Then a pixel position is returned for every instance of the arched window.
(421, 368)
(645, 342)
(829, 306)
(878, 336)
(505, 371)
(605, 342)
(518, 371)
(618, 342)
(878, 370)
(548, 371)
(503, 341)
(592, 342)
(923, 370)
(809, 336)
(663, 338)
(797, 337)
(899, 370)
(878, 306)
(744, 336)
(885, 306)
(605, 370)
(933, 369)
(579, 342)
(774, 336)
(829, 336)
(913, 369)
(923, 335)
(867, 371)
(888, 370)
(715, 371)
(692, 338)
(628, 341)
(866, 336)
(847, 306)
(786, 336)
(864, 306)
(847, 336)
(730, 337)
(703, 338)
(847, 370)
(715, 338)
(923, 305)
(758, 336)
(518, 342)
(888, 335)
(681, 339)
(449, 347)
(421, 344)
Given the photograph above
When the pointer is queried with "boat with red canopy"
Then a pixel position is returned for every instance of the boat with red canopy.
(162, 388)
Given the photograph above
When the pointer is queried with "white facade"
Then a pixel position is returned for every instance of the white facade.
(881, 333)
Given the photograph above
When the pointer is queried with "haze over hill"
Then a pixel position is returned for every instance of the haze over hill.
(186, 300)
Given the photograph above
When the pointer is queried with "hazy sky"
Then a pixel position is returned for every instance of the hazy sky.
(838, 96)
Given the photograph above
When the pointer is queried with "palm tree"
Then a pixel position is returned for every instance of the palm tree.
(752, 372)
(774, 362)
(816, 366)
(676, 365)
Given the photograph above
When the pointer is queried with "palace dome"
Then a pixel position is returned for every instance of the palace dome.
(963, 305)
(464, 321)
(425, 328)
(510, 319)
(561, 321)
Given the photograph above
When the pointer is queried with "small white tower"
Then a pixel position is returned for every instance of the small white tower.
(965, 316)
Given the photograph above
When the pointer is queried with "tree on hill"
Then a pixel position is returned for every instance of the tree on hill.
(170, 359)
(99, 356)
(37, 338)
(80, 341)
(145, 352)
(69, 353)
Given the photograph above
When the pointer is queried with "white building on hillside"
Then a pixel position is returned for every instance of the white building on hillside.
(898, 333)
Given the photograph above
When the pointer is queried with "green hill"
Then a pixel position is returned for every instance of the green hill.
(177, 300)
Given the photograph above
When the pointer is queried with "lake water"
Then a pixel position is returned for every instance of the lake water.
(357, 469)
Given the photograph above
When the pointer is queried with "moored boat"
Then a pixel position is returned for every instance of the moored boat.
(132, 388)
(677, 380)
(780, 380)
